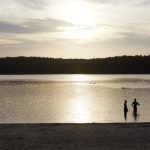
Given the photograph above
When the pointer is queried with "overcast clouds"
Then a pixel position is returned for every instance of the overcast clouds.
(53, 29)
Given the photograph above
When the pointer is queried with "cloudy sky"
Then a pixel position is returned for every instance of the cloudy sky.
(74, 28)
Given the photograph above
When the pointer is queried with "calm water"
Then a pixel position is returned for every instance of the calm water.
(73, 98)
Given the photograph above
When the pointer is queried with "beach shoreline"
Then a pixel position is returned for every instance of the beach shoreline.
(94, 136)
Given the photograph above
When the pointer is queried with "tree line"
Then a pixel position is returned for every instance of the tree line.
(42, 65)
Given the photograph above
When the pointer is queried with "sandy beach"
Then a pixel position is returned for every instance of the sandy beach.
(125, 136)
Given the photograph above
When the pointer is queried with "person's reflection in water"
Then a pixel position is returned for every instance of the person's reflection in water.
(135, 115)
(134, 105)
(125, 109)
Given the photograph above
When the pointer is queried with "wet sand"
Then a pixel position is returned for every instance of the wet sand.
(75, 136)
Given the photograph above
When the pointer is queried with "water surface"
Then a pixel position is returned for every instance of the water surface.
(73, 98)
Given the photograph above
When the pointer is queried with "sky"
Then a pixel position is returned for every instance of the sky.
(74, 28)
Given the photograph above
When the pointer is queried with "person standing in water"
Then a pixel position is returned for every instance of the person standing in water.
(125, 109)
(134, 105)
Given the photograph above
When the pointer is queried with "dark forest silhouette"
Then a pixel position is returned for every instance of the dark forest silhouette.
(42, 65)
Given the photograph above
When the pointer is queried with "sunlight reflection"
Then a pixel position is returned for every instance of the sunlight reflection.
(81, 111)
(80, 77)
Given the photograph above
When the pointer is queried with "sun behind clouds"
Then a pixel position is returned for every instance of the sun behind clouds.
(81, 17)
(78, 13)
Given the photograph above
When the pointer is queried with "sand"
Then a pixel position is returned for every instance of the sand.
(75, 136)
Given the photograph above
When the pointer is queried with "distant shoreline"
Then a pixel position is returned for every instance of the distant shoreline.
(114, 136)
(78, 74)
(41, 65)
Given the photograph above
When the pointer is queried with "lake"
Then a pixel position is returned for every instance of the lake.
(73, 98)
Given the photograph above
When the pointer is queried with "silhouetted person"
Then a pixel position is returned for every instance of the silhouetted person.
(125, 109)
(134, 105)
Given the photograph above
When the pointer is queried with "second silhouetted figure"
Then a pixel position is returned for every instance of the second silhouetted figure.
(134, 105)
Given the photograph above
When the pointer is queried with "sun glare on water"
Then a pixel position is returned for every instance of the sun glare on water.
(80, 78)
(80, 109)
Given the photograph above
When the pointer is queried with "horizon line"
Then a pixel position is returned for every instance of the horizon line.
(76, 57)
